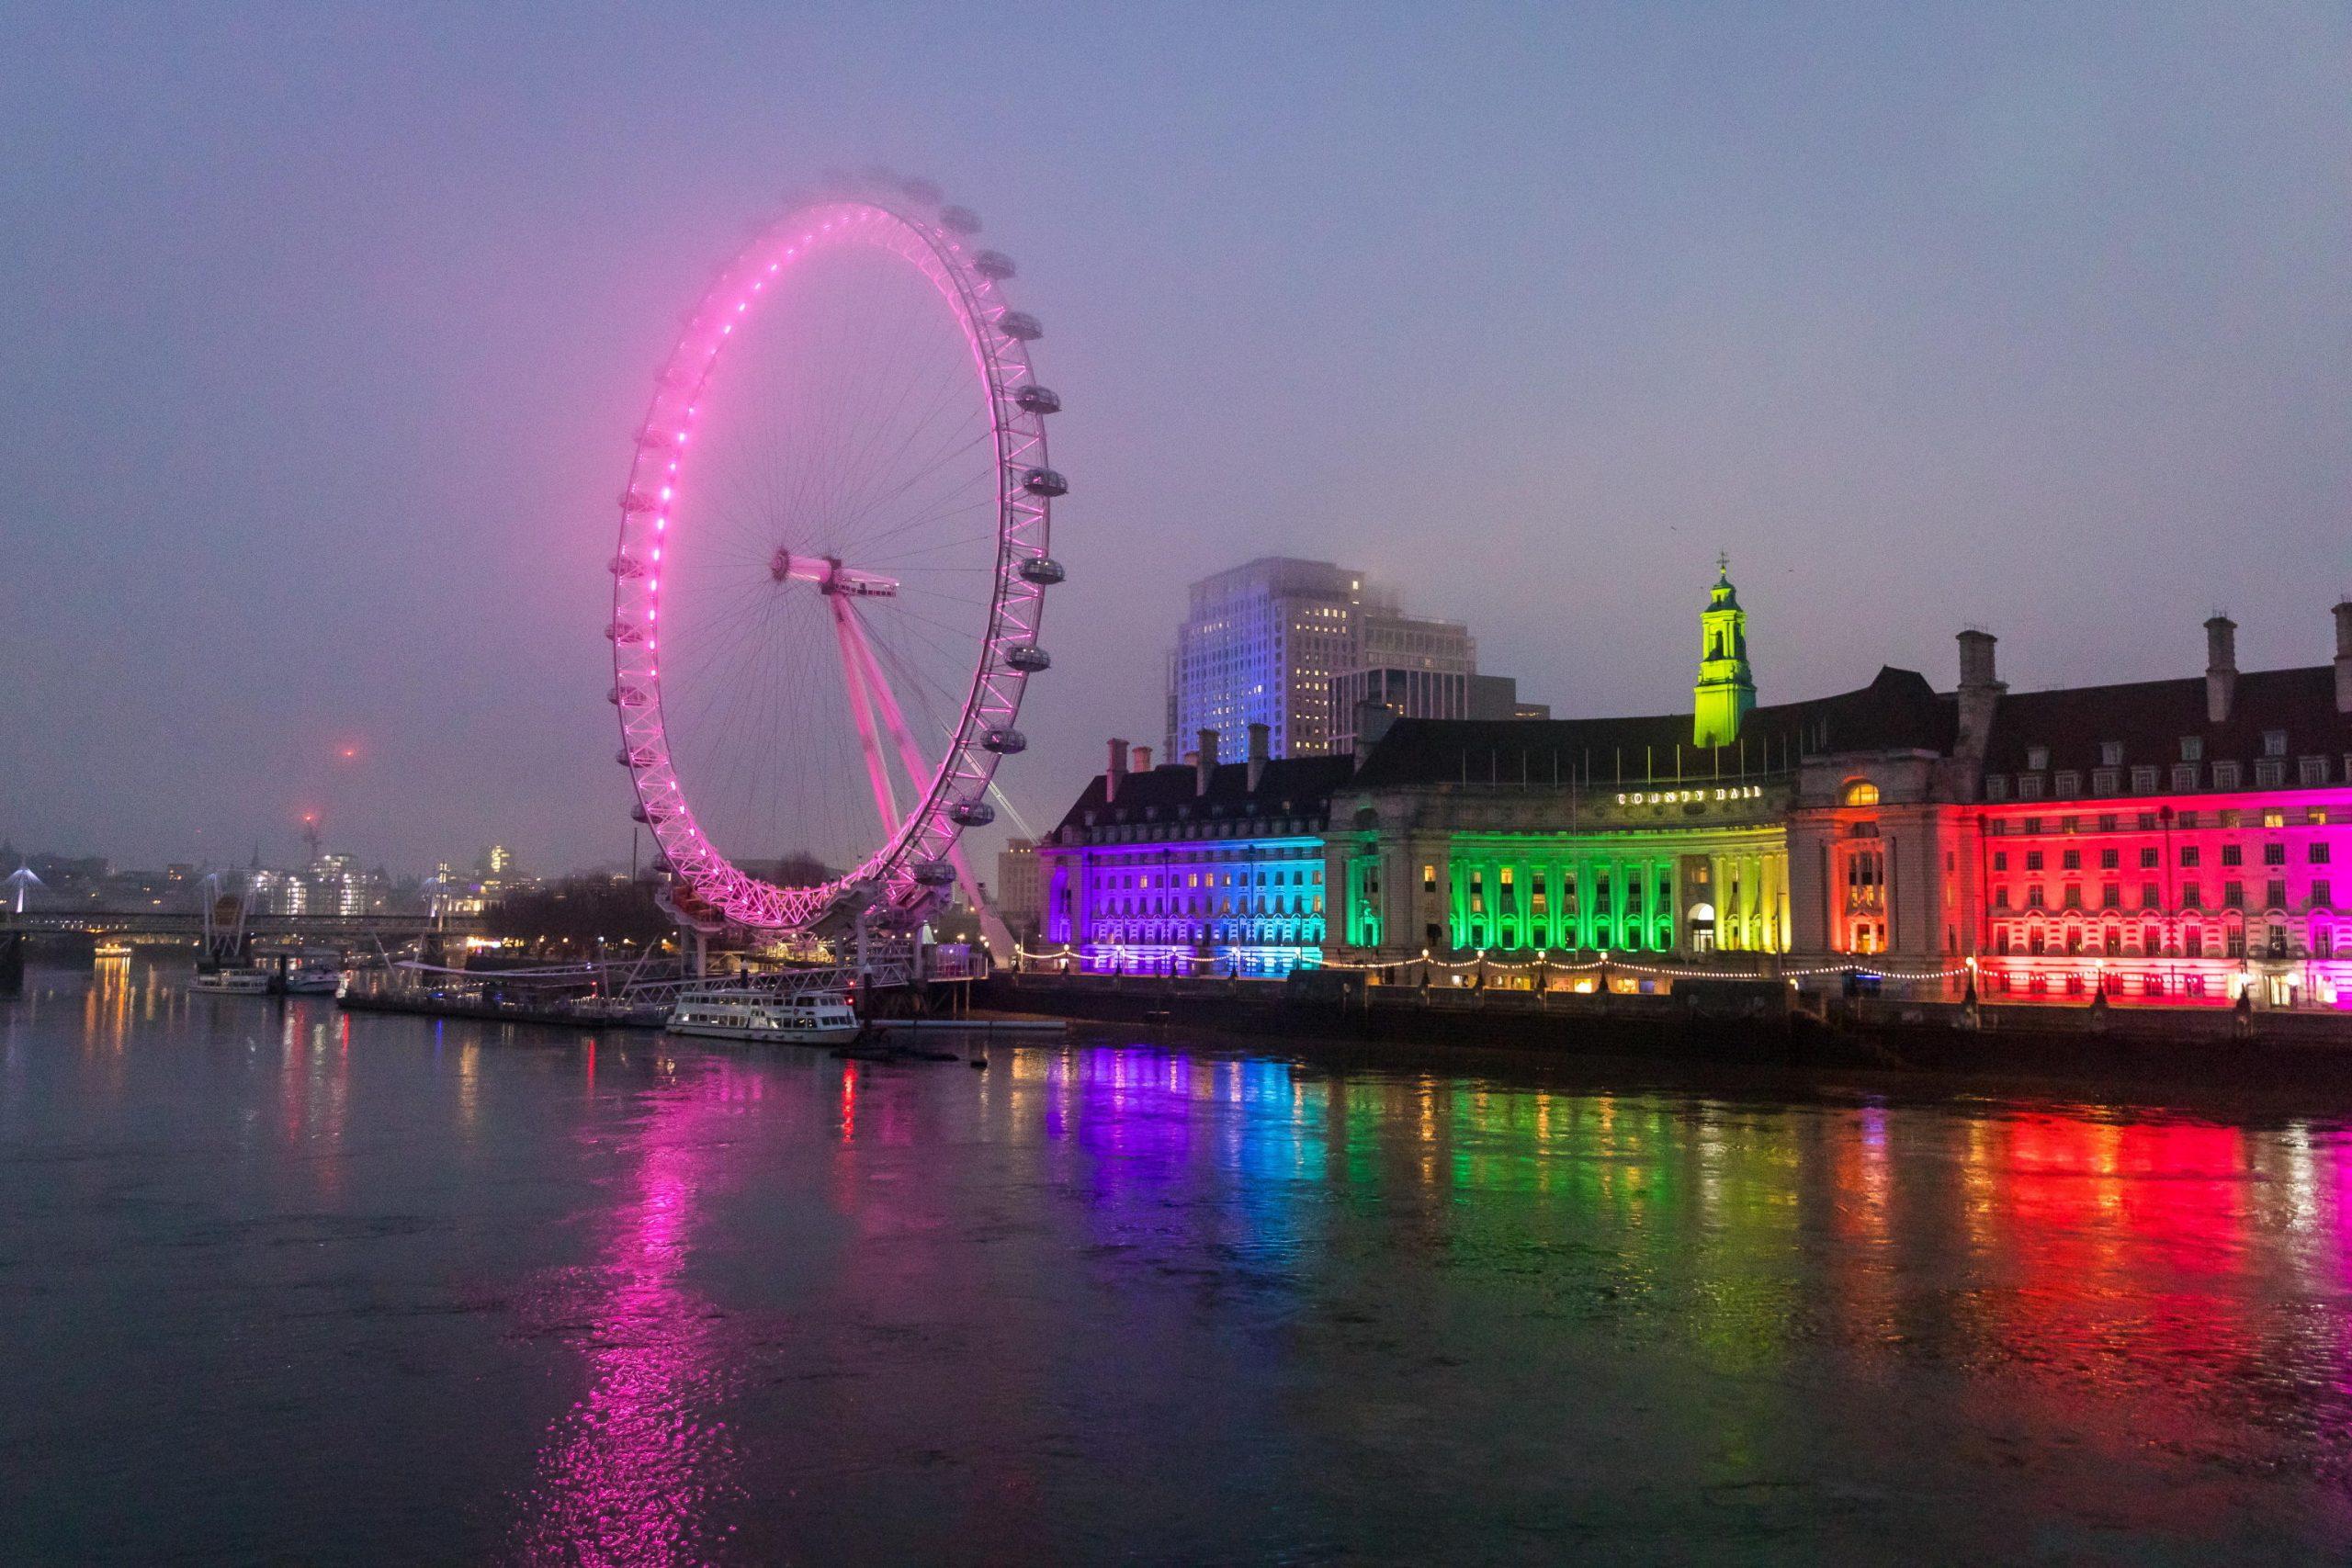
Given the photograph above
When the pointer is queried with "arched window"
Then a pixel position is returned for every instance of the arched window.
(1861, 792)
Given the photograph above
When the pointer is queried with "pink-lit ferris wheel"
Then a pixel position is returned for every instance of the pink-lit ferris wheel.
(832, 561)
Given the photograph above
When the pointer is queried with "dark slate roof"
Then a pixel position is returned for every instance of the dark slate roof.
(1898, 711)
(2151, 717)
(1290, 786)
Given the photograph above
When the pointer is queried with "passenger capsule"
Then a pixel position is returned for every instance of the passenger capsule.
(923, 191)
(1019, 324)
(993, 264)
(1042, 570)
(962, 219)
(935, 874)
(1028, 658)
(1044, 482)
(1004, 743)
(971, 814)
(1038, 400)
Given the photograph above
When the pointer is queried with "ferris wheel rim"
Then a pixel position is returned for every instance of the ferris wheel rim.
(894, 876)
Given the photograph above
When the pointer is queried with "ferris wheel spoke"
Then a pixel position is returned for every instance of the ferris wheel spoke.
(941, 402)
(944, 514)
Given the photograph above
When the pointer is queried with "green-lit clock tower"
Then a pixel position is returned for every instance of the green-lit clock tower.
(1727, 688)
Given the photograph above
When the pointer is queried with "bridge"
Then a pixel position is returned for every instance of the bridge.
(326, 930)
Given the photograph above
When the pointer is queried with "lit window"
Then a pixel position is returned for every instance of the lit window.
(1861, 792)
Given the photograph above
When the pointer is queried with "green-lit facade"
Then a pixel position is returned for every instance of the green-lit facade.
(1665, 835)
(1684, 868)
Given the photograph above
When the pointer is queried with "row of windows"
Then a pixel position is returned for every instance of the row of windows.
(2316, 852)
(2272, 940)
(2270, 773)
(1159, 832)
(1298, 905)
(2037, 984)
(1294, 877)
(2192, 896)
(2192, 750)
(2185, 822)
(1215, 932)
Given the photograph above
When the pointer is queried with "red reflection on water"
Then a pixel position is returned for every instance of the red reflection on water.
(629, 1474)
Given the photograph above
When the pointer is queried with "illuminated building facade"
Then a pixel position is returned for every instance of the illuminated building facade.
(1198, 868)
(2165, 842)
(2178, 841)
(2173, 840)
(1589, 836)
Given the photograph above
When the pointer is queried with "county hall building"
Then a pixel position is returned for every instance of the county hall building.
(2171, 841)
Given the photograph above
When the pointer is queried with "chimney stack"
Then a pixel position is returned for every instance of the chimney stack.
(1117, 770)
(1260, 737)
(2220, 668)
(1206, 768)
(2344, 657)
(1980, 691)
(1373, 720)
(1142, 763)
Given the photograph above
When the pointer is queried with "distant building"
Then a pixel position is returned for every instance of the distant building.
(1017, 893)
(1423, 694)
(1294, 644)
(497, 868)
(1260, 645)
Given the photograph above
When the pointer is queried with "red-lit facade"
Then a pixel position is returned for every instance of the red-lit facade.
(2158, 842)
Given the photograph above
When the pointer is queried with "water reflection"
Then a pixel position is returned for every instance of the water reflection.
(637, 1470)
(618, 1300)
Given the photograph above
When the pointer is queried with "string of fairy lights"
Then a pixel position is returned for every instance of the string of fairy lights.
(1234, 957)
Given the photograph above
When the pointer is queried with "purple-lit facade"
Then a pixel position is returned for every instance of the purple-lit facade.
(1195, 868)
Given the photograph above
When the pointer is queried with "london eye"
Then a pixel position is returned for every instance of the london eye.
(832, 561)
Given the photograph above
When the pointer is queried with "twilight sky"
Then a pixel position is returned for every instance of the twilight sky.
(322, 332)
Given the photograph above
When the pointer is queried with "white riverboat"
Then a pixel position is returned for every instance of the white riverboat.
(231, 982)
(816, 1018)
(314, 980)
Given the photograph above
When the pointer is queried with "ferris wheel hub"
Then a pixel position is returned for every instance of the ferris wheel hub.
(830, 576)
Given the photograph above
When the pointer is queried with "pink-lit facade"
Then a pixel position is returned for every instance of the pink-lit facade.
(2170, 898)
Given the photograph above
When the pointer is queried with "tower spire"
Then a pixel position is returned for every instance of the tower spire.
(1727, 689)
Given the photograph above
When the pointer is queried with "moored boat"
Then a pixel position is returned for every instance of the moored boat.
(231, 982)
(312, 980)
(818, 1018)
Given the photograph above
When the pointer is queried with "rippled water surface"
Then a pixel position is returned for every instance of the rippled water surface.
(279, 1284)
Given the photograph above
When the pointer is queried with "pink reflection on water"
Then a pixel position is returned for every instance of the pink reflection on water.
(631, 1473)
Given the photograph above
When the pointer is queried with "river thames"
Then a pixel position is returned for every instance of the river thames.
(284, 1284)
